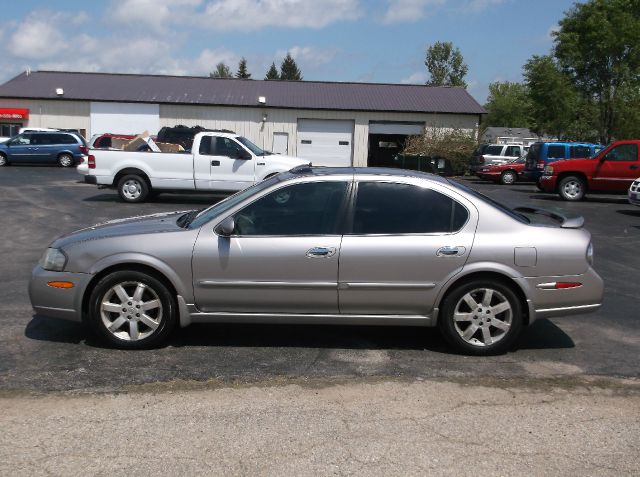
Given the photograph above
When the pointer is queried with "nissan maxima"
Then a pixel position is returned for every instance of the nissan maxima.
(353, 246)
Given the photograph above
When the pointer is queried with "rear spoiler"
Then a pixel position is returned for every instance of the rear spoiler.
(566, 220)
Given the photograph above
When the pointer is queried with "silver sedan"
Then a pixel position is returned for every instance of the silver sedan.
(331, 246)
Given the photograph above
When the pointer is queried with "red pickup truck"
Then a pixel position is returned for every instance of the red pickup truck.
(613, 170)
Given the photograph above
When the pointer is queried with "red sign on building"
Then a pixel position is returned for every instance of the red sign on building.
(14, 113)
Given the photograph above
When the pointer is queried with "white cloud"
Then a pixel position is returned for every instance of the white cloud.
(419, 77)
(37, 36)
(307, 55)
(404, 11)
(475, 6)
(152, 13)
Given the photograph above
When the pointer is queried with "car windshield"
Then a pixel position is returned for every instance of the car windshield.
(218, 208)
(496, 204)
(252, 147)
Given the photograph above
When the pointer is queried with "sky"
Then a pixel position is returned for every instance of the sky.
(376, 41)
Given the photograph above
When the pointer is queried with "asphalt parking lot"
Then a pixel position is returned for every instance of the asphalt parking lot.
(38, 354)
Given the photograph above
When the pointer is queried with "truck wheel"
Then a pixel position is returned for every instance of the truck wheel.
(3, 160)
(508, 178)
(65, 160)
(131, 310)
(572, 188)
(482, 317)
(133, 188)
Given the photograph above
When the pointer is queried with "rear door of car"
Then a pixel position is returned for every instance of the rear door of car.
(402, 243)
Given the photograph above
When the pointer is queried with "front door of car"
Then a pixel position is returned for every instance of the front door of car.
(617, 169)
(282, 256)
(404, 243)
(20, 148)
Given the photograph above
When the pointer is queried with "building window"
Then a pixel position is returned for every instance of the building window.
(9, 129)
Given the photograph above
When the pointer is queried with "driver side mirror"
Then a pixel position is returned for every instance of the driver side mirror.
(244, 155)
(226, 227)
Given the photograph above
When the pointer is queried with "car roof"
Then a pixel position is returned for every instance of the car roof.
(362, 172)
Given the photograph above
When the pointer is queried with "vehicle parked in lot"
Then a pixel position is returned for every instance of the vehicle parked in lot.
(613, 170)
(634, 192)
(496, 154)
(504, 174)
(103, 141)
(357, 246)
(220, 161)
(183, 135)
(542, 153)
(62, 148)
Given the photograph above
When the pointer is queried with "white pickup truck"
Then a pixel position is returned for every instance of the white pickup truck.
(218, 161)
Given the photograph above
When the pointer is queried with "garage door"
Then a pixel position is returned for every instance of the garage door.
(325, 142)
(124, 118)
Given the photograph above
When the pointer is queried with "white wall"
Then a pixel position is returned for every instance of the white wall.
(124, 118)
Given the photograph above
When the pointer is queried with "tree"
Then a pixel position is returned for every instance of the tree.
(554, 100)
(446, 65)
(222, 71)
(598, 45)
(508, 105)
(457, 145)
(289, 69)
(242, 72)
(272, 74)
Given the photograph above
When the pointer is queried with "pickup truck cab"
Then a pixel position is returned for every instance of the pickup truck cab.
(613, 170)
(218, 161)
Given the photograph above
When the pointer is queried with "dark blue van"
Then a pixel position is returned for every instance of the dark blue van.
(57, 147)
(542, 153)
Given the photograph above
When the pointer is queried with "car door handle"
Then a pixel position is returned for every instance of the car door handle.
(633, 167)
(450, 251)
(321, 252)
(215, 163)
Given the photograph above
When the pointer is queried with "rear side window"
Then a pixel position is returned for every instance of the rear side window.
(389, 208)
(493, 150)
(555, 152)
(579, 151)
(43, 139)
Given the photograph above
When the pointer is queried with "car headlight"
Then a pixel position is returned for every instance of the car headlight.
(54, 260)
(590, 254)
(548, 171)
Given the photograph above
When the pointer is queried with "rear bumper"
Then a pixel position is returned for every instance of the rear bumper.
(65, 303)
(90, 180)
(546, 302)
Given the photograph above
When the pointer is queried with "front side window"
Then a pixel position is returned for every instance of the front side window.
(22, 140)
(389, 208)
(513, 151)
(225, 146)
(300, 209)
(623, 152)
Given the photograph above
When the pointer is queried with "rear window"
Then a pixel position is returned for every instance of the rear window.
(534, 152)
(490, 201)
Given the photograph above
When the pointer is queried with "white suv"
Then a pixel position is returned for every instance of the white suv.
(634, 192)
(497, 154)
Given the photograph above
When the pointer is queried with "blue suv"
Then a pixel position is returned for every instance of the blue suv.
(62, 148)
(542, 153)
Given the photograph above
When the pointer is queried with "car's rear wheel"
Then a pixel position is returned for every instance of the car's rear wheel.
(132, 310)
(3, 160)
(133, 188)
(572, 188)
(482, 317)
(65, 160)
(508, 178)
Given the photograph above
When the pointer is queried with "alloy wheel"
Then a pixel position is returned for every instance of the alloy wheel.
(483, 317)
(572, 189)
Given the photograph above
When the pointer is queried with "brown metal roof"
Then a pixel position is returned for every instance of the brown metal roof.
(235, 92)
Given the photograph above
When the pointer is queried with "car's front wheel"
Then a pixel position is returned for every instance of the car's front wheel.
(572, 188)
(482, 317)
(132, 310)
(3, 160)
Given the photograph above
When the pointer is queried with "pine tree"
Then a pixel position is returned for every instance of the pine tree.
(289, 69)
(242, 72)
(272, 74)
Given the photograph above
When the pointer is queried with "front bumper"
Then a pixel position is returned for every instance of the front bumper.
(548, 183)
(65, 303)
(545, 302)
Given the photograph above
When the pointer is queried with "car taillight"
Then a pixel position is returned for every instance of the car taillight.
(540, 165)
(84, 150)
(92, 161)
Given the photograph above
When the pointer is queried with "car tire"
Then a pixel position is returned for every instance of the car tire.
(481, 317)
(131, 310)
(572, 188)
(133, 188)
(65, 160)
(3, 160)
(508, 178)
